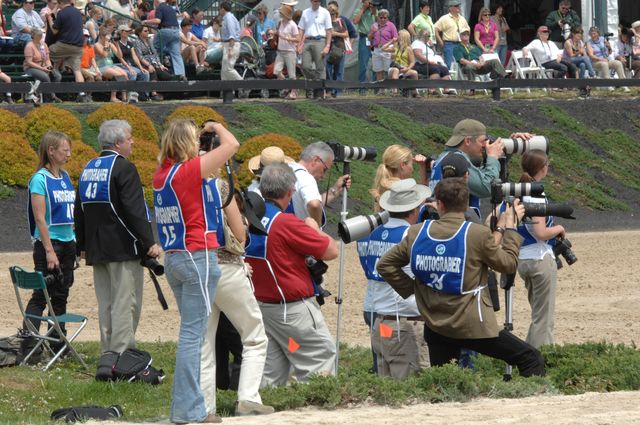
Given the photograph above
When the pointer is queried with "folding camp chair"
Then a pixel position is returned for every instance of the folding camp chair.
(526, 66)
(28, 281)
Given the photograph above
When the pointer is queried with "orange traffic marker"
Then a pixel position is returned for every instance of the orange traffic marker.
(293, 345)
(385, 330)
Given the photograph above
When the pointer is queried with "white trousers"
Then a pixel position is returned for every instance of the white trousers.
(229, 57)
(234, 297)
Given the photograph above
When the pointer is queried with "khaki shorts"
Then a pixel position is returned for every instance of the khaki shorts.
(68, 53)
(288, 59)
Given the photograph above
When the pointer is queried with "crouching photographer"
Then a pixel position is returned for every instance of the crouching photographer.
(537, 259)
(450, 258)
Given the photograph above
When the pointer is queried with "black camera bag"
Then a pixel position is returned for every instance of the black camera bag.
(150, 375)
(130, 363)
(82, 413)
(106, 364)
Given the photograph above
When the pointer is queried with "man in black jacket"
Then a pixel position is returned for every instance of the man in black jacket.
(113, 231)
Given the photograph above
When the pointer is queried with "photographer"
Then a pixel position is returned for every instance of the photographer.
(51, 198)
(113, 233)
(470, 140)
(450, 259)
(315, 160)
(299, 340)
(403, 351)
(561, 21)
(536, 265)
(187, 209)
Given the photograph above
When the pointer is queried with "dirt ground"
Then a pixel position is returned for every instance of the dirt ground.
(597, 300)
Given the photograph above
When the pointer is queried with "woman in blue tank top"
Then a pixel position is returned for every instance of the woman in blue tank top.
(536, 264)
(50, 213)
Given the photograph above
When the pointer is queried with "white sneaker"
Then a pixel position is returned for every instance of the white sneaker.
(626, 89)
(133, 97)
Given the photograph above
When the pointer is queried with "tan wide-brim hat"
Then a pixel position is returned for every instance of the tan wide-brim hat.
(269, 155)
(404, 195)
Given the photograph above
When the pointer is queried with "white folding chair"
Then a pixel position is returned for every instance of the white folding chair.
(525, 66)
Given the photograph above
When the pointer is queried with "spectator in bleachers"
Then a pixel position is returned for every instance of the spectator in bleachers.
(423, 22)
(91, 24)
(599, 51)
(230, 33)
(448, 29)
(503, 28)
(212, 37)
(105, 51)
(575, 52)
(69, 44)
(6, 79)
(364, 17)
(23, 20)
(339, 35)
(141, 13)
(6, 41)
(129, 60)
(315, 28)
(547, 54)
(247, 30)
(37, 62)
(288, 39)
(51, 7)
(403, 59)
(624, 52)
(88, 64)
(381, 33)
(120, 10)
(561, 21)
(149, 59)
(486, 33)
(468, 56)
(426, 64)
(192, 48)
(263, 23)
(197, 28)
(168, 36)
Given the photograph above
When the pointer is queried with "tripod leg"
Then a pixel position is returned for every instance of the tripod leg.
(508, 325)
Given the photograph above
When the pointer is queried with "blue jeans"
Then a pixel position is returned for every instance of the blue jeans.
(169, 39)
(584, 63)
(364, 55)
(502, 53)
(136, 74)
(447, 52)
(6, 44)
(186, 274)
(335, 72)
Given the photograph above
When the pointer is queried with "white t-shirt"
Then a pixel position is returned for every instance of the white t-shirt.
(208, 35)
(315, 23)
(426, 51)
(535, 251)
(306, 190)
(543, 52)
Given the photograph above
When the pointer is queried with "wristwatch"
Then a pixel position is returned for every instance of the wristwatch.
(333, 191)
(500, 230)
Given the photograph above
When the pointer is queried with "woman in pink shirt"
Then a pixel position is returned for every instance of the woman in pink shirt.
(486, 32)
(288, 39)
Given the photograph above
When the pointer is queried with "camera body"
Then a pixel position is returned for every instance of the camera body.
(563, 248)
(209, 141)
(343, 153)
(152, 264)
(55, 277)
(318, 268)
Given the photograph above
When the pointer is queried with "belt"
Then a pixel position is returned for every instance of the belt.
(318, 37)
(175, 27)
(452, 42)
(286, 302)
(409, 318)
(361, 34)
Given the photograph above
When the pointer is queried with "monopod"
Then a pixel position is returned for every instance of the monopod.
(343, 216)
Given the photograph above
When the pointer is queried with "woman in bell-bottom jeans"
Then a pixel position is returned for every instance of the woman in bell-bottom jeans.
(186, 209)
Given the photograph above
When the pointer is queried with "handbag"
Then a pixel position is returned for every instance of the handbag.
(336, 54)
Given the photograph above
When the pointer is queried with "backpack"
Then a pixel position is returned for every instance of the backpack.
(10, 351)
(132, 365)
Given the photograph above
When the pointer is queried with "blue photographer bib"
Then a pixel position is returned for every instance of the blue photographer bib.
(213, 213)
(379, 242)
(95, 179)
(440, 263)
(257, 244)
(60, 199)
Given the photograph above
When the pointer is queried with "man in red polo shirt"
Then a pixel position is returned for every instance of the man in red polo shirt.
(299, 339)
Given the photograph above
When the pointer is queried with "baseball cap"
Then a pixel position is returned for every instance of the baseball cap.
(404, 195)
(635, 24)
(376, 3)
(452, 3)
(124, 27)
(454, 165)
(465, 32)
(269, 155)
(543, 28)
(29, 1)
(464, 128)
(86, 32)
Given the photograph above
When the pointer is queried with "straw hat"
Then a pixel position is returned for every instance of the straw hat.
(269, 155)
